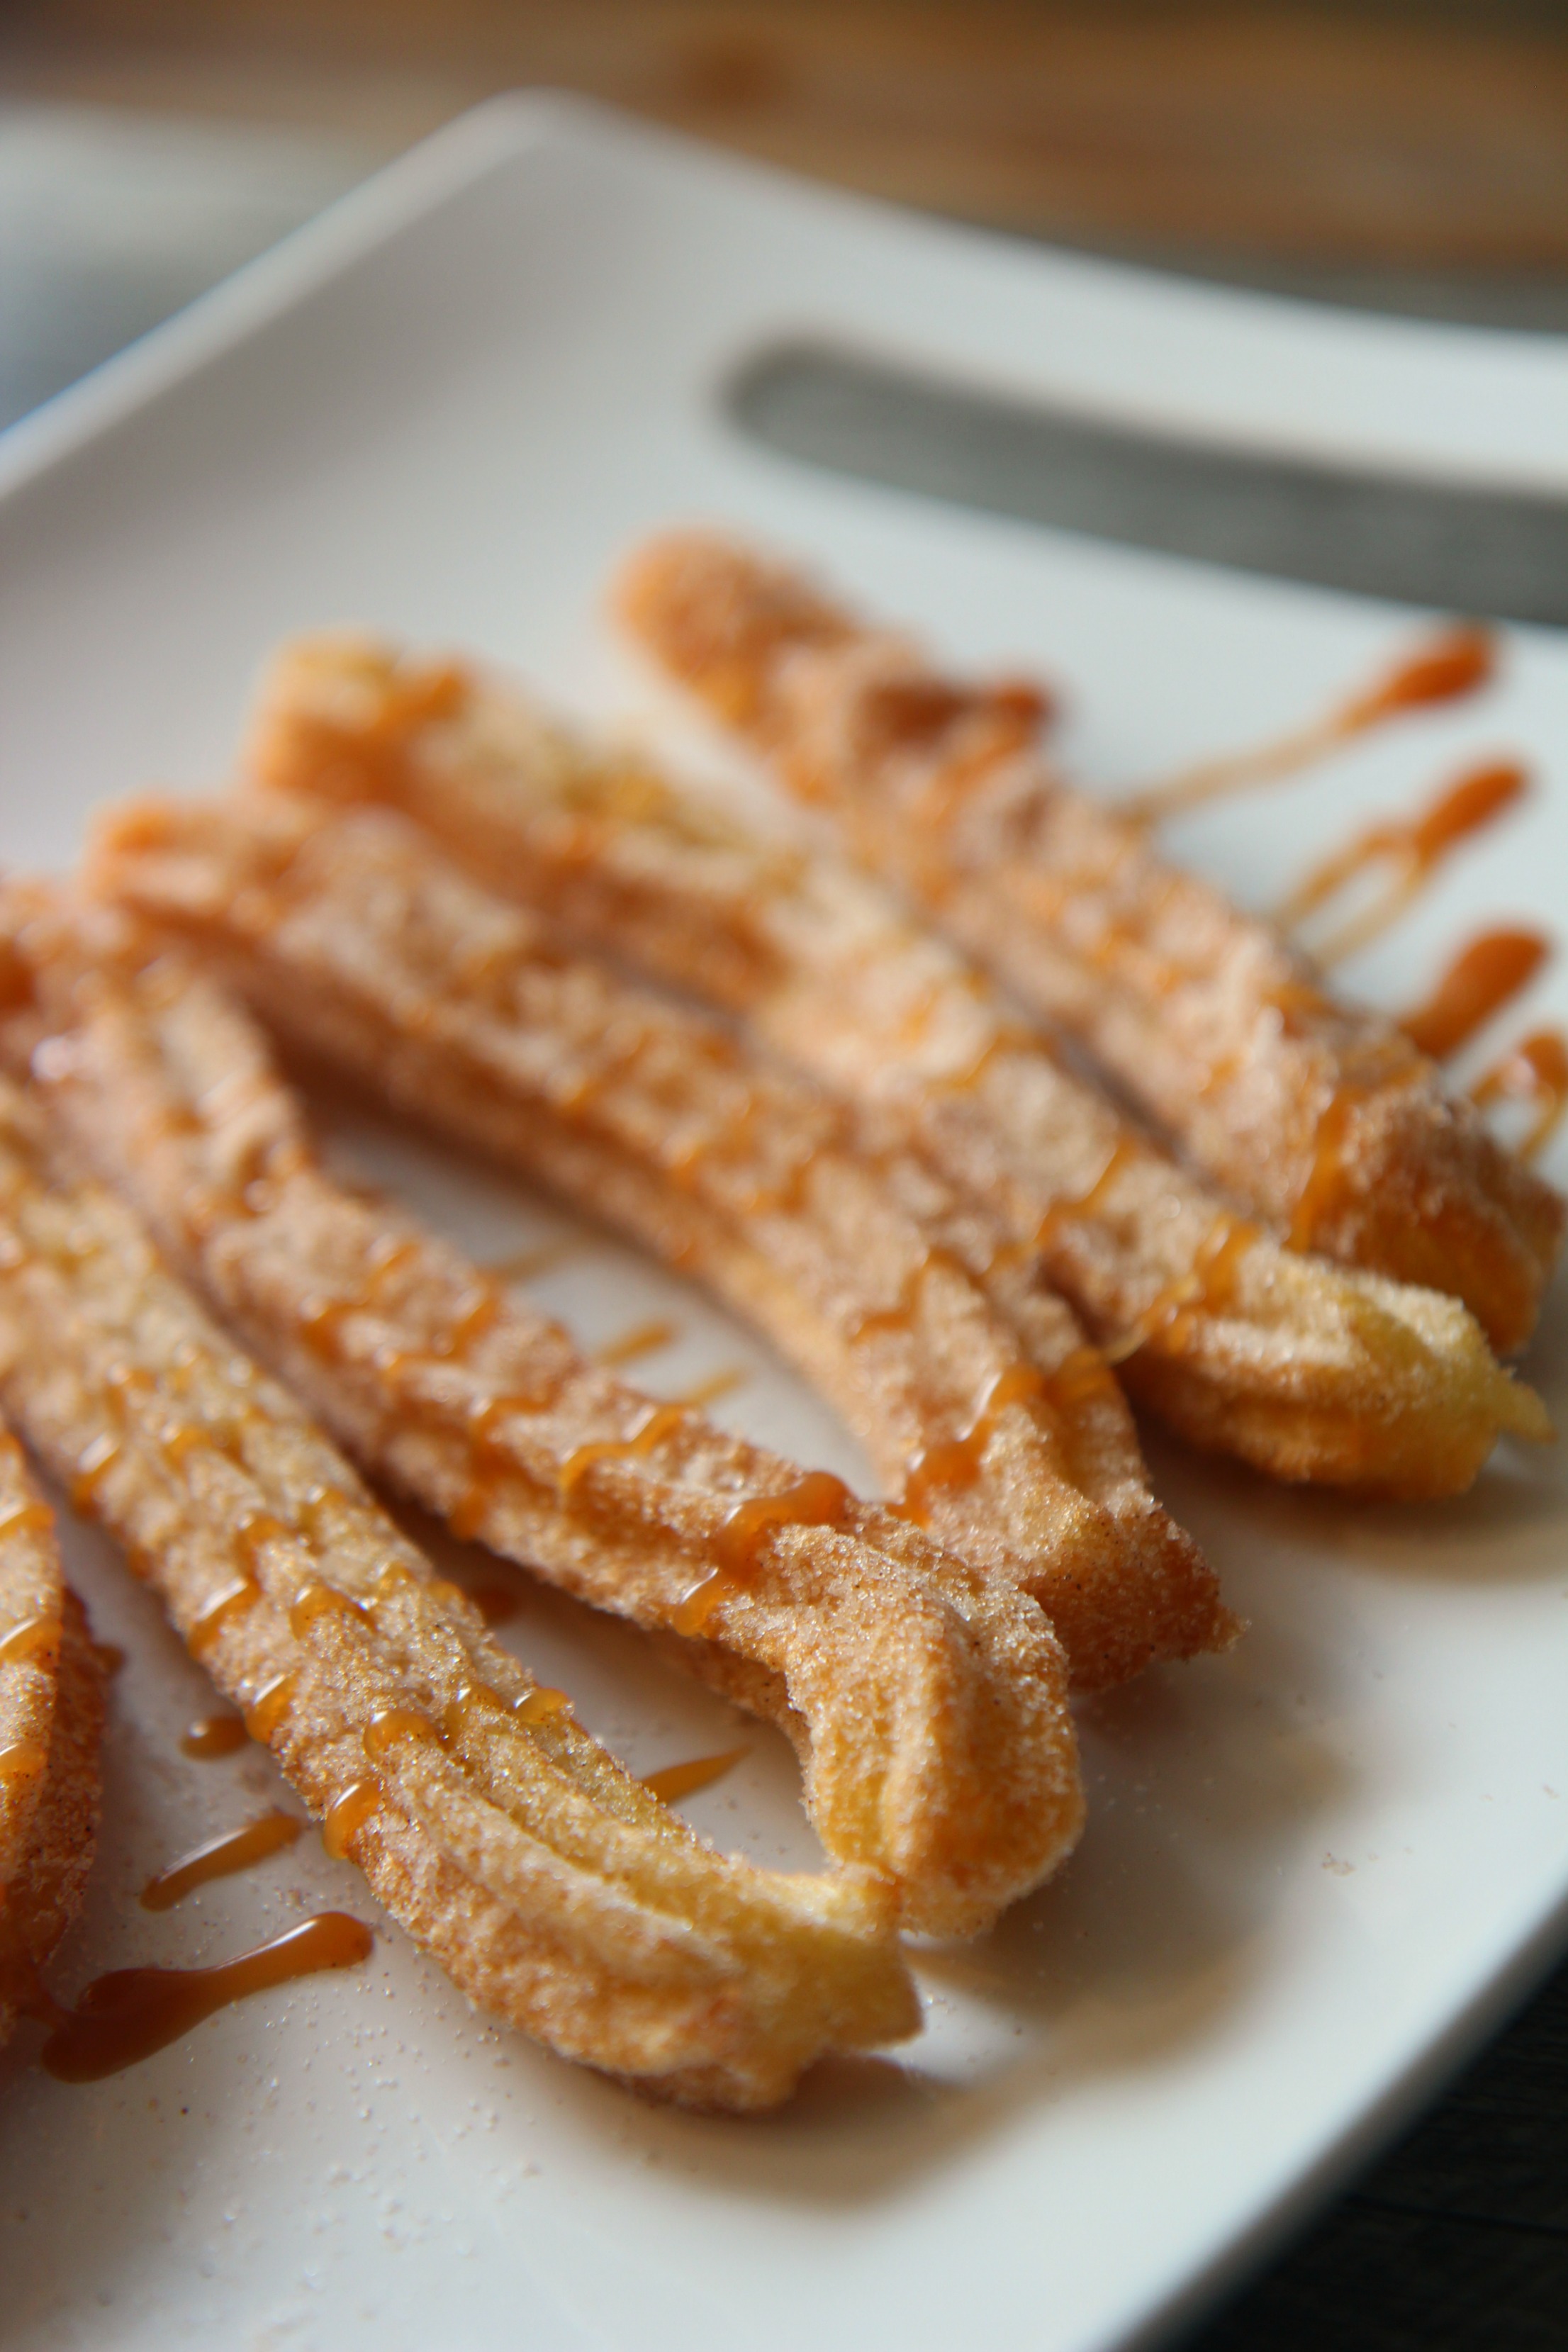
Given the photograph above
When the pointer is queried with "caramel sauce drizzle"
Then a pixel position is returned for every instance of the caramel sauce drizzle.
(315, 1507)
(1485, 975)
(967, 1078)
(389, 1257)
(181, 1438)
(485, 1305)
(97, 1459)
(673, 1782)
(486, 1455)
(816, 1500)
(1326, 1173)
(1081, 1375)
(1123, 1152)
(349, 1812)
(528, 1265)
(211, 1619)
(212, 1735)
(1453, 663)
(956, 1461)
(37, 1640)
(726, 1151)
(718, 1384)
(642, 1340)
(268, 1707)
(127, 2015)
(540, 1704)
(1413, 848)
(471, 1704)
(18, 1517)
(1206, 1288)
(346, 1816)
(255, 1529)
(220, 1856)
(1001, 719)
(393, 1725)
(1536, 1070)
(658, 1423)
(901, 1316)
(315, 1601)
(22, 1759)
(321, 1324)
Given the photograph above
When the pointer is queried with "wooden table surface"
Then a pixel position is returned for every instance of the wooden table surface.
(1386, 138)
(1414, 157)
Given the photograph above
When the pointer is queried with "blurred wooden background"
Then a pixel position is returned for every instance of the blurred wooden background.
(1369, 142)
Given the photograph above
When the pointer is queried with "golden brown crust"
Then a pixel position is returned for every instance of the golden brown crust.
(354, 934)
(1304, 1369)
(929, 1702)
(32, 1596)
(51, 1718)
(45, 1893)
(555, 1889)
(1318, 1116)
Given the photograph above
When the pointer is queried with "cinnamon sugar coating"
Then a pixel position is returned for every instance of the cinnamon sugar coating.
(928, 1701)
(1308, 1371)
(555, 1890)
(1318, 1116)
(51, 1721)
(971, 1383)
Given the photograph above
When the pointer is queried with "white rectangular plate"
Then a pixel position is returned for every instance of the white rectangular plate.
(1315, 1871)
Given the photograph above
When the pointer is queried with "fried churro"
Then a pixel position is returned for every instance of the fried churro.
(1307, 1370)
(52, 1717)
(1321, 1118)
(928, 1701)
(557, 1892)
(1000, 1426)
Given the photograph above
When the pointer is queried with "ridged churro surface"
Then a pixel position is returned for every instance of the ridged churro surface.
(928, 1700)
(1321, 1116)
(1011, 1445)
(1307, 1370)
(51, 1718)
(557, 1892)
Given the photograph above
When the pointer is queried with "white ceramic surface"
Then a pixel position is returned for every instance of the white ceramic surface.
(1315, 1871)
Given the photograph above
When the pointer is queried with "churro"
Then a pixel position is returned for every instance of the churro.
(51, 1717)
(557, 1892)
(985, 1407)
(1305, 1369)
(928, 1701)
(1320, 1117)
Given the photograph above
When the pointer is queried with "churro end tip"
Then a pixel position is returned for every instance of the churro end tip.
(1524, 1414)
